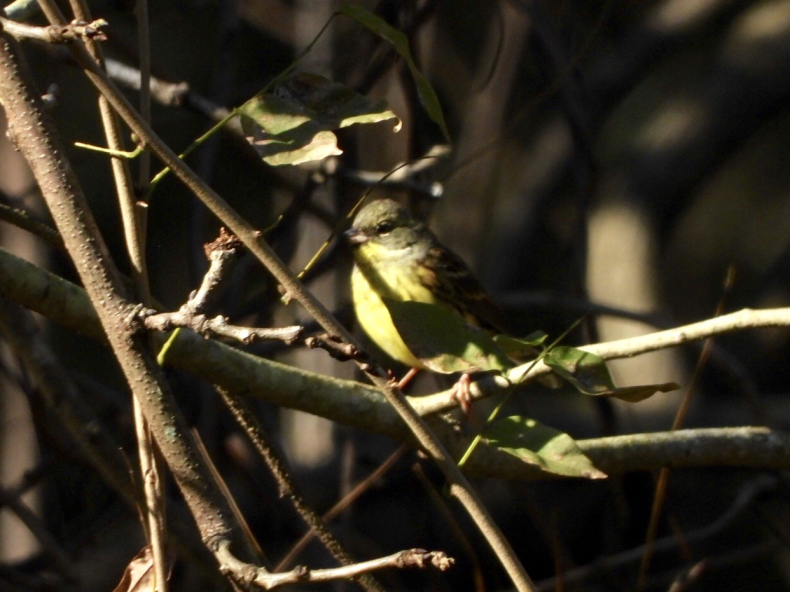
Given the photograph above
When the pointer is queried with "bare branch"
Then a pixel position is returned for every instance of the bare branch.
(221, 253)
(622, 348)
(33, 133)
(248, 574)
(218, 327)
(171, 94)
(363, 407)
(336, 348)
(76, 29)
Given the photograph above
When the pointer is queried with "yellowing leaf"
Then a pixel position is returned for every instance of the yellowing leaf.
(293, 123)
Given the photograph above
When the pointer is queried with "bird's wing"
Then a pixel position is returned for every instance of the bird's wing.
(450, 279)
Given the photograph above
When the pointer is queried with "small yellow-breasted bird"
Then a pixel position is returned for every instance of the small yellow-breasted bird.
(399, 258)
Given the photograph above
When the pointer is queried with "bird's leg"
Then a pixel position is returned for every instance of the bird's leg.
(461, 394)
(407, 378)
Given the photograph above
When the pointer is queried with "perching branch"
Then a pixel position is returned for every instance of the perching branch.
(625, 348)
(363, 407)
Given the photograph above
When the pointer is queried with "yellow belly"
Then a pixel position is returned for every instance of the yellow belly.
(375, 320)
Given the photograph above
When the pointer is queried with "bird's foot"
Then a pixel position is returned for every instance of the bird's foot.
(462, 394)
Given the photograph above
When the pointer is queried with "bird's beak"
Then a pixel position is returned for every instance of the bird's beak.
(355, 236)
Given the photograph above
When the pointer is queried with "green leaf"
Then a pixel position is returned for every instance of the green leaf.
(400, 43)
(537, 444)
(588, 373)
(441, 339)
(521, 345)
(634, 394)
(293, 123)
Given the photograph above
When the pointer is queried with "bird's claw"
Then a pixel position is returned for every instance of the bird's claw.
(462, 394)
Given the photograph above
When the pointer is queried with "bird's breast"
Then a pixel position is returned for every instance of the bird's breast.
(375, 319)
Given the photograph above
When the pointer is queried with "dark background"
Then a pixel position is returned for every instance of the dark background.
(621, 153)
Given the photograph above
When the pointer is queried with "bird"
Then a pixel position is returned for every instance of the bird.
(397, 257)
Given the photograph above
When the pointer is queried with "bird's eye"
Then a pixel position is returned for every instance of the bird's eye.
(384, 228)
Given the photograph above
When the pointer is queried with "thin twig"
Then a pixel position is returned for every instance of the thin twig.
(77, 29)
(221, 253)
(341, 505)
(134, 234)
(144, 54)
(251, 575)
(218, 327)
(441, 504)
(25, 221)
(404, 176)
(336, 348)
(223, 486)
(288, 486)
(48, 542)
(663, 475)
(170, 94)
(747, 494)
